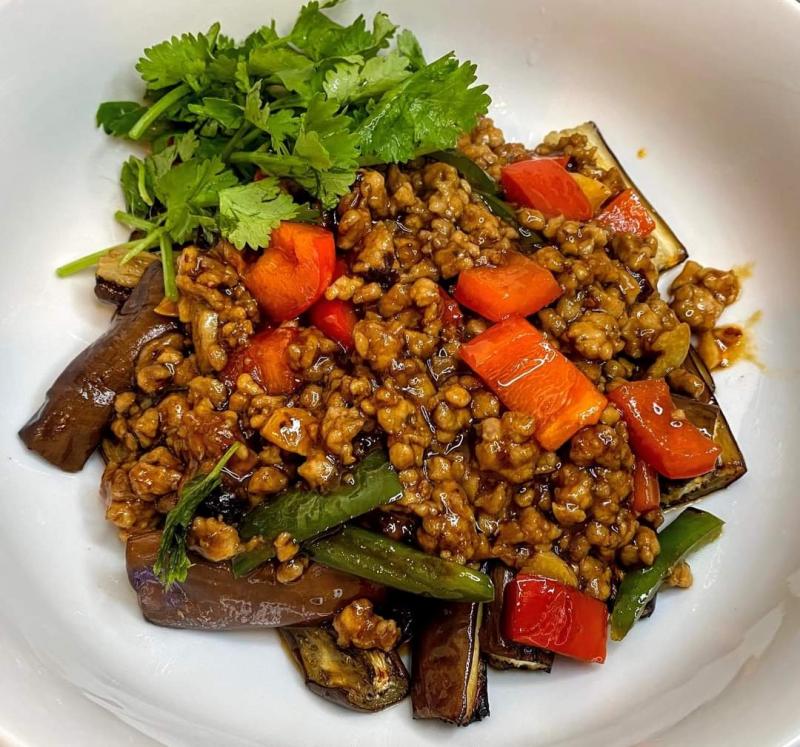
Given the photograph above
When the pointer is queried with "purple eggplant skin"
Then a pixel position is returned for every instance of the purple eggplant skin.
(366, 681)
(111, 292)
(212, 598)
(448, 675)
(69, 425)
(500, 652)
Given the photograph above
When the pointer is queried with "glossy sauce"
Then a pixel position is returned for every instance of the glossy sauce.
(725, 345)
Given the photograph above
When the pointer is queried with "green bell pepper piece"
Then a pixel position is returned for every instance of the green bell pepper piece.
(689, 531)
(305, 514)
(384, 561)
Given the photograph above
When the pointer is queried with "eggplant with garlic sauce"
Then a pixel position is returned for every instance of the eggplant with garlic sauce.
(424, 392)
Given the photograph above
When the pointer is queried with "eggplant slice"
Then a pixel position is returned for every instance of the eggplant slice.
(212, 598)
(353, 678)
(671, 251)
(709, 418)
(114, 282)
(69, 425)
(500, 652)
(694, 365)
(448, 673)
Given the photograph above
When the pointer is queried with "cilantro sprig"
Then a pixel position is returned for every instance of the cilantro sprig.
(172, 561)
(308, 107)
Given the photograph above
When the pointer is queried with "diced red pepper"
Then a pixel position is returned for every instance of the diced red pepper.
(646, 490)
(547, 614)
(519, 287)
(521, 367)
(625, 213)
(675, 448)
(545, 185)
(561, 160)
(265, 358)
(335, 319)
(450, 314)
(339, 268)
(294, 271)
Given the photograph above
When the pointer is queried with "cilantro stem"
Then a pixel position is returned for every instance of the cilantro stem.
(133, 221)
(250, 137)
(141, 183)
(83, 263)
(156, 110)
(234, 141)
(245, 156)
(140, 245)
(168, 264)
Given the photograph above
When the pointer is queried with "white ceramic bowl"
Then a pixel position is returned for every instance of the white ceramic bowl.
(710, 89)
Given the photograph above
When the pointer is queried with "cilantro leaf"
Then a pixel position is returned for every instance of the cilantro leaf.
(241, 76)
(329, 150)
(319, 37)
(426, 112)
(187, 145)
(279, 125)
(282, 126)
(342, 81)
(117, 117)
(247, 214)
(186, 190)
(224, 111)
(254, 112)
(179, 59)
(269, 61)
(349, 82)
(409, 46)
(132, 172)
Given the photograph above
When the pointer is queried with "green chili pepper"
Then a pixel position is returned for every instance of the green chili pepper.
(506, 212)
(488, 190)
(377, 558)
(470, 170)
(305, 514)
(688, 532)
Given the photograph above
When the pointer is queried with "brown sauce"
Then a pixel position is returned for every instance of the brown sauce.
(725, 345)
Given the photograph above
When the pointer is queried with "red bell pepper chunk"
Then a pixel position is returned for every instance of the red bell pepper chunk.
(339, 269)
(265, 358)
(521, 367)
(646, 490)
(335, 319)
(561, 160)
(675, 448)
(545, 613)
(544, 184)
(451, 314)
(625, 213)
(294, 271)
(520, 287)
